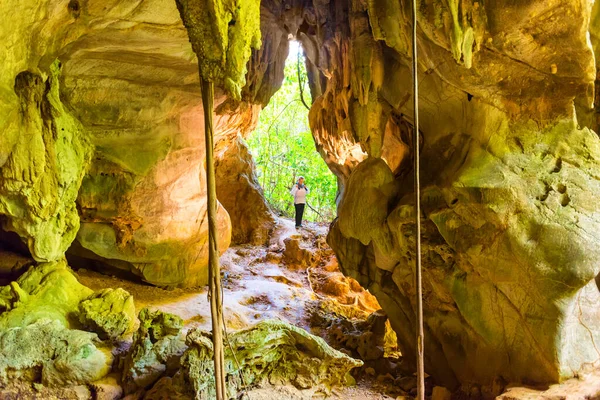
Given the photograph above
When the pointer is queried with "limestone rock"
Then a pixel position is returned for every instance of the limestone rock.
(507, 182)
(110, 312)
(55, 355)
(239, 192)
(367, 338)
(42, 170)
(168, 388)
(510, 207)
(157, 346)
(107, 388)
(41, 313)
(134, 123)
(47, 291)
(270, 352)
(223, 33)
(296, 255)
(440, 393)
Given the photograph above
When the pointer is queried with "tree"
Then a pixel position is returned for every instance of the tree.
(283, 149)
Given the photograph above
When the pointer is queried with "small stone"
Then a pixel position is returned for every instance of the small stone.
(406, 383)
(370, 371)
(107, 388)
(441, 393)
(554, 69)
(475, 392)
(386, 377)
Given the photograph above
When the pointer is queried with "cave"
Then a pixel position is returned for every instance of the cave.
(104, 238)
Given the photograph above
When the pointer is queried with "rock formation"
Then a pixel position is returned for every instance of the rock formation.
(509, 179)
(271, 352)
(157, 347)
(112, 158)
(41, 337)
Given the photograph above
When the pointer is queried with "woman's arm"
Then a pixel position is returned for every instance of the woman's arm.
(294, 190)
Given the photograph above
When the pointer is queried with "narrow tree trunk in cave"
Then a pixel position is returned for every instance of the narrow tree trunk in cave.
(214, 273)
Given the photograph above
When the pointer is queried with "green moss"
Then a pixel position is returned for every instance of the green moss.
(110, 312)
(41, 313)
(48, 291)
(456, 37)
(64, 356)
(223, 33)
(157, 347)
(270, 352)
(384, 17)
(41, 178)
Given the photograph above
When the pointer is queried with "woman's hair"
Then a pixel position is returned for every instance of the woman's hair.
(300, 177)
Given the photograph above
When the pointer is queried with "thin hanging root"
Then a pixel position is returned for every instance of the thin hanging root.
(418, 278)
(214, 270)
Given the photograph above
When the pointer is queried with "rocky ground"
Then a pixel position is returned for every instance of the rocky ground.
(295, 279)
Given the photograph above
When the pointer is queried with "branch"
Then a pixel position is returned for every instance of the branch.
(300, 83)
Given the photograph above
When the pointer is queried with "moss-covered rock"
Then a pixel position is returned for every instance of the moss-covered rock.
(272, 352)
(223, 33)
(42, 174)
(48, 353)
(110, 312)
(41, 317)
(47, 291)
(157, 346)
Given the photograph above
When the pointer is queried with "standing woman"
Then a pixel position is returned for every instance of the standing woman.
(299, 191)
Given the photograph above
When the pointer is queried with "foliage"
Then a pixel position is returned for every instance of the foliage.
(283, 148)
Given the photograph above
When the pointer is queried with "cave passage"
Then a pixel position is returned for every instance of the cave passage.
(284, 149)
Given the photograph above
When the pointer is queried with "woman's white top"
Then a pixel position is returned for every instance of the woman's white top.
(299, 194)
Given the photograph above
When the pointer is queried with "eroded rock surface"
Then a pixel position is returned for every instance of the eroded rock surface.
(110, 312)
(41, 337)
(46, 352)
(110, 155)
(508, 180)
(101, 151)
(272, 352)
(156, 349)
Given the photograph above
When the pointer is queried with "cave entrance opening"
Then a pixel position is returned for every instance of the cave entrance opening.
(283, 147)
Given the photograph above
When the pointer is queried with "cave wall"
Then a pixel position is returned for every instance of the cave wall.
(102, 145)
(509, 177)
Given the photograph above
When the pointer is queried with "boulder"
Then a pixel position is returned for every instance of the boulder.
(43, 311)
(47, 291)
(272, 352)
(110, 312)
(298, 256)
(55, 356)
(156, 349)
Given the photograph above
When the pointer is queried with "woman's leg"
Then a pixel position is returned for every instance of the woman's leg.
(299, 214)
(299, 211)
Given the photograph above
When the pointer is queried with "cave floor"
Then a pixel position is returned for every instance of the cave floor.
(268, 282)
